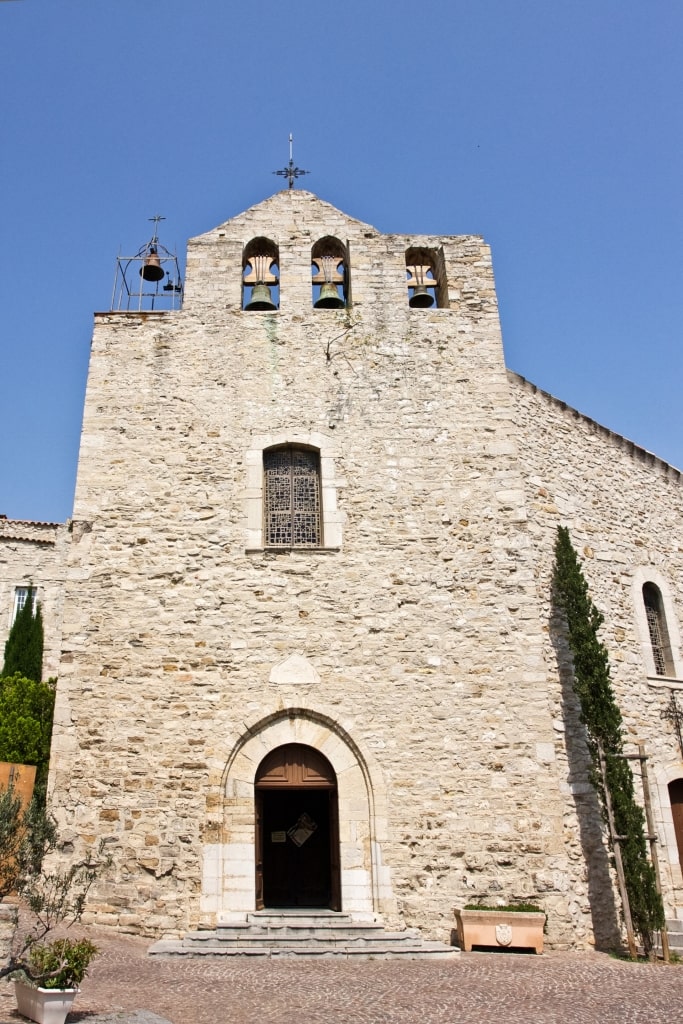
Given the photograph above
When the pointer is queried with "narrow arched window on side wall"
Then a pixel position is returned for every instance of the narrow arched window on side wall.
(260, 276)
(330, 270)
(659, 633)
(291, 499)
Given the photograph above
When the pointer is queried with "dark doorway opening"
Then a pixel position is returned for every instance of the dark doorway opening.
(297, 832)
(676, 798)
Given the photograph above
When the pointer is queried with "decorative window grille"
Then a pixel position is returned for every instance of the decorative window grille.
(659, 633)
(291, 498)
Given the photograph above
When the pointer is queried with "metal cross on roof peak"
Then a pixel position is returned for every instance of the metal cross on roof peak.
(156, 218)
(290, 172)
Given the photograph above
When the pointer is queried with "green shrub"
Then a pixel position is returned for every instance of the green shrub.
(26, 712)
(62, 963)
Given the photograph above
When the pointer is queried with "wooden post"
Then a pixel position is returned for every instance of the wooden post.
(653, 840)
(618, 863)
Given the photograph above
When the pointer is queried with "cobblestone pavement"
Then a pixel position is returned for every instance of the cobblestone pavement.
(482, 988)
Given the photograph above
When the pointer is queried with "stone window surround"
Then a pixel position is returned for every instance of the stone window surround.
(332, 518)
(19, 600)
(648, 574)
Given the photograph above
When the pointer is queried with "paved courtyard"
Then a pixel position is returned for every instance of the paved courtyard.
(483, 988)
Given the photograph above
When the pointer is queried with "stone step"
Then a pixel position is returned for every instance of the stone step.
(300, 932)
(299, 925)
(378, 951)
(334, 937)
(303, 934)
(674, 930)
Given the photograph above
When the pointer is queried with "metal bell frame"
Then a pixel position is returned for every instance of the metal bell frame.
(138, 281)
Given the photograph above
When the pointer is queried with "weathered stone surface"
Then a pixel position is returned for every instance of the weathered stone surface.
(436, 683)
(8, 924)
(34, 554)
(624, 509)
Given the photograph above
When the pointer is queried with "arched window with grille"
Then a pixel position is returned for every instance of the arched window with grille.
(291, 498)
(657, 628)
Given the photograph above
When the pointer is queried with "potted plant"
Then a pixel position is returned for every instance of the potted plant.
(518, 925)
(46, 990)
(52, 898)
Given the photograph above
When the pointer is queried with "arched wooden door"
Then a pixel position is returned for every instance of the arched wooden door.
(676, 798)
(297, 830)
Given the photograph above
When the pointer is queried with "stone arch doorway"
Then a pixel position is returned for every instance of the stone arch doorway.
(297, 830)
(229, 850)
(676, 801)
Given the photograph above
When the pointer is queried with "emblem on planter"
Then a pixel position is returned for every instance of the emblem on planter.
(503, 934)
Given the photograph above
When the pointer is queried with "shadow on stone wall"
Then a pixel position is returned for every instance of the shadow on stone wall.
(605, 913)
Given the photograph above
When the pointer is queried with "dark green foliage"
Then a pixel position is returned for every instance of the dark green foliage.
(602, 718)
(26, 711)
(24, 647)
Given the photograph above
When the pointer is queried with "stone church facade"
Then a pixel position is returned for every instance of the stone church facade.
(301, 618)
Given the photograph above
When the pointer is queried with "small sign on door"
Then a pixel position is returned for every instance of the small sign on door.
(278, 837)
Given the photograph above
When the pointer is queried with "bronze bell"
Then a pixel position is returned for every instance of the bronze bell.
(420, 299)
(260, 298)
(151, 271)
(329, 297)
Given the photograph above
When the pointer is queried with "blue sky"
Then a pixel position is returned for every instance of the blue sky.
(553, 129)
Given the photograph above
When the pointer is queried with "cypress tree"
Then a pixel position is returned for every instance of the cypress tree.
(24, 647)
(601, 715)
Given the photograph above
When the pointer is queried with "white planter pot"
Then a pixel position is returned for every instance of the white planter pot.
(44, 1005)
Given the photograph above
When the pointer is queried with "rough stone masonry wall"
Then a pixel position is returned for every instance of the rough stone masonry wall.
(8, 925)
(624, 510)
(423, 628)
(35, 554)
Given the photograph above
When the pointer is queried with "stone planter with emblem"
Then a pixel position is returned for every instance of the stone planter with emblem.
(500, 928)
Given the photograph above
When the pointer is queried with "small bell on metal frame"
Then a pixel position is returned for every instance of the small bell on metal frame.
(151, 270)
(172, 285)
(329, 297)
(421, 299)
